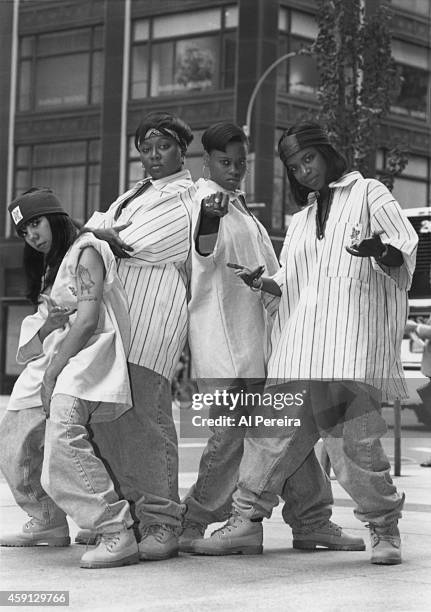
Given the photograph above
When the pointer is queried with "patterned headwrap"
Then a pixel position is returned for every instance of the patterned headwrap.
(308, 137)
(169, 132)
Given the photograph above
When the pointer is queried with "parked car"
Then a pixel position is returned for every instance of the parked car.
(420, 311)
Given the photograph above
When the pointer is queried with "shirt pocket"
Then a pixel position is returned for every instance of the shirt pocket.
(337, 262)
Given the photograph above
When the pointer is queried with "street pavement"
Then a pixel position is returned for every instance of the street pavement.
(282, 579)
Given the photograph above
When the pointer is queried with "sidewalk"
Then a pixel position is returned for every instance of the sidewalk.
(281, 579)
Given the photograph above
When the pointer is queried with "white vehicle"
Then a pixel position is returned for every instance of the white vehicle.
(420, 311)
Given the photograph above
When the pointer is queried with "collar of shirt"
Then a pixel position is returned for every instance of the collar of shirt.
(167, 184)
(344, 181)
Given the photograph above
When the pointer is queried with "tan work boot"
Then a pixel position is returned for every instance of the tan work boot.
(329, 535)
(192, 531)
(239, 536)
(158, 542)
(114, 550)
(36, 533)
(385, 545)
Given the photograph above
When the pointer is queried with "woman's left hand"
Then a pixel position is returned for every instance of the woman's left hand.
(48, 384)
(247, 274)
(369, 247)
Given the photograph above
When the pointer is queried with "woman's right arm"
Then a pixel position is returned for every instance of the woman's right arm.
(212, 209)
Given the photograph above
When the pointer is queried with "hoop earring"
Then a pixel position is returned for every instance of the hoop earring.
(207, 175)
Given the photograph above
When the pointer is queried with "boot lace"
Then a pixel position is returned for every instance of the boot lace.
(232, 523)
(159, 532)
(384, 534)
(110, 540)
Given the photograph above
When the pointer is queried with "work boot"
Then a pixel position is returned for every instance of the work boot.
(87, 537)
(114, 550)
(192, 531)
(385, 544)
(158, 542)
(239, 536)
(329, 535)
(35, 533)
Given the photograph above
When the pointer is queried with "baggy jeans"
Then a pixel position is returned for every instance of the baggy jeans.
(347, 417)
(146, 469)
(307, 493)
(52, 470)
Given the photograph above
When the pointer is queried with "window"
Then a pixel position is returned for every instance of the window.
(422, 7)
(60, 69)
(189, 52)
(414, 69)
(193, 160)
(412, 188)
(71, 169)
(297, 75)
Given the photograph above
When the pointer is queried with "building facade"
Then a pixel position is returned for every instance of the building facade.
(77, 76)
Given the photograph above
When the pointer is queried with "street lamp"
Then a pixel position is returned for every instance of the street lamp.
(247, 126)
(255, 91)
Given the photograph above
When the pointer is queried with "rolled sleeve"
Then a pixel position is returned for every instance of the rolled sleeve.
(388, 219)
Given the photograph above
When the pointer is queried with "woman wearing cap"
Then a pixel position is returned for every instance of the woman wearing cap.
(74, 349)
(153, 222)
(229, 331)
(347, 263)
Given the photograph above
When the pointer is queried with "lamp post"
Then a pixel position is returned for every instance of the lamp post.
(247, 126)
(258, 85)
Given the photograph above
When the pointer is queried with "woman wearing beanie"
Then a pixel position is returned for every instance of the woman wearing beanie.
(74, 349)
(153, 222)
(229, 332)
(347, 264)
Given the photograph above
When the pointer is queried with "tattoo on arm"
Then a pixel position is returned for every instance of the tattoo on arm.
(85, 280)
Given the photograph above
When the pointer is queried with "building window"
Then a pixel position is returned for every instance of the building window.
(297, 75)
(412, 189)
(182, 53)
(70, 169)
(60, 69)
(421, 7)
(414, 69)
(193, 160)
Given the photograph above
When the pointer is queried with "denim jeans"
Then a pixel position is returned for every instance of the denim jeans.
(307, 493)
(52, 470)
(147, 466)
(22, 439)
(74, 477)
(347, 417)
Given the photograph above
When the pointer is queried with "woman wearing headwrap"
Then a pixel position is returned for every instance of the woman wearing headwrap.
(347, 264)
(153, 224)
(229, 331)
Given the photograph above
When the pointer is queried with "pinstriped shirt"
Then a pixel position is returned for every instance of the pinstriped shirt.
(343, 317)
(154, 277)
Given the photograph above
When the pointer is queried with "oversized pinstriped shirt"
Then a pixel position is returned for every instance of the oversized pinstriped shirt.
(154, 277)
(343, 317)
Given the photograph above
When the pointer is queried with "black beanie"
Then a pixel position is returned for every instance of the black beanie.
(34, 204)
